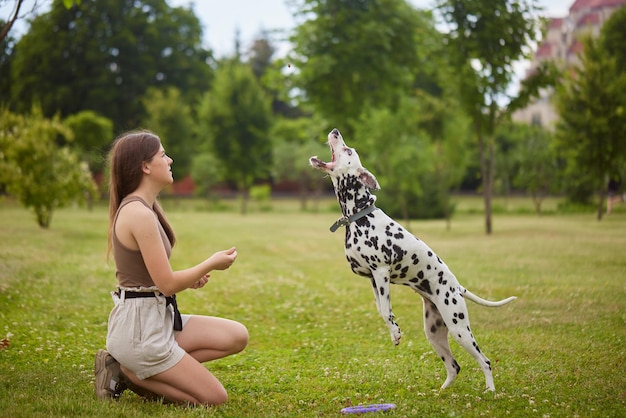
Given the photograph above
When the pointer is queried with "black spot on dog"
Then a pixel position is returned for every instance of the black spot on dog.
(425, 287)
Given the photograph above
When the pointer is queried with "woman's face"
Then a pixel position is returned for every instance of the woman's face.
(160, 166)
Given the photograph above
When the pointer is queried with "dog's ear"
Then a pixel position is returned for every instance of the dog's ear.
(368, 180)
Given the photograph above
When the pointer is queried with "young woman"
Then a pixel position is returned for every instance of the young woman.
(152, 349)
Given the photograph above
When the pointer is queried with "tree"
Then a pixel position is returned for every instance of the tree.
(294, 142)
(275, 76)
(104, 55)
(236, 118)
(399, 153)
(485, 39)
(591, 103)
(206, 171)
(170, 118)
(535, 160)
(92, 134)
(6, 57)
(40, 174)
(614, 37)
(17, 13)
(355, 55)
(420, 151)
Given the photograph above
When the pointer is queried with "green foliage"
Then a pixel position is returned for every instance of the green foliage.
(352, 55)
(206, 172)
(591, 102)
(294, 142)
(416, 169)
(69, 3)
(400, 157)
(485, 39)
(104, 55)
(235, 119)
(545, 75)
(92, 135)
(261, 194)
(613, 37)
(6, 57)
(533, 162)
(40, 174)
(170, 118)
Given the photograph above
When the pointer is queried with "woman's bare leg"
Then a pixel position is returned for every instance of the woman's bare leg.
(208, 338)
(187, 382)
(204, 338)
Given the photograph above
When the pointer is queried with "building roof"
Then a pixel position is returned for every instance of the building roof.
(589, 19)
(581, 4)
(556, 23)
(594, 4)
(575, 48)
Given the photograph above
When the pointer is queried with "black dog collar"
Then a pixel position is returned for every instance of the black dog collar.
(345, 220)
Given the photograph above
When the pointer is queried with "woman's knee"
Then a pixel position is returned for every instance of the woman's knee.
(217, 396)
(240, 337)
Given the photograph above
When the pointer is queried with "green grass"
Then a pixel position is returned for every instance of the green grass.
(316, 341)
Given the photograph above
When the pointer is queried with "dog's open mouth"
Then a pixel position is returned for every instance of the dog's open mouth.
(334, 141)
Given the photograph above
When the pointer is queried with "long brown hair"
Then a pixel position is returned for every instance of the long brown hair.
(128, 153)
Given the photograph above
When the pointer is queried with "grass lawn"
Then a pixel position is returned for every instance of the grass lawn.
(317, 343)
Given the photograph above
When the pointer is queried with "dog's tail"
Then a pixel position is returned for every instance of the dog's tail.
(492, 304)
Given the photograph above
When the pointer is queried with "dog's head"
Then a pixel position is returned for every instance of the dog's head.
(344, 161)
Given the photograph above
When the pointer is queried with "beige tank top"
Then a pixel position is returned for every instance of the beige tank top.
(131, 269)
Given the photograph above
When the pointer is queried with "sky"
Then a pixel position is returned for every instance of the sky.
(221, 19)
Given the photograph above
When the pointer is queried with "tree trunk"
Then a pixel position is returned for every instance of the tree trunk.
(601, 204)
(486, 174)
(244, 201)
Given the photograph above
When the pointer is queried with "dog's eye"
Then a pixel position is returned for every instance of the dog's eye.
(349, 151)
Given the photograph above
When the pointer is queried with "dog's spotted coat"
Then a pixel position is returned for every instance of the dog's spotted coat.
(378, 247)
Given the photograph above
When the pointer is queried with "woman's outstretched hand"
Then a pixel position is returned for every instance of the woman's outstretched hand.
(222, 260)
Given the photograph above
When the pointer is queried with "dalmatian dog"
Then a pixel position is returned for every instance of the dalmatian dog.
(379, 248)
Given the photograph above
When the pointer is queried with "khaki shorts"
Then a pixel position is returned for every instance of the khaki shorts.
(141, 335)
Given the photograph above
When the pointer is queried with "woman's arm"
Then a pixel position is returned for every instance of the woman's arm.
(144, 229)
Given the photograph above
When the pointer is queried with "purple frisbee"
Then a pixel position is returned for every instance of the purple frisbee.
(361, 409)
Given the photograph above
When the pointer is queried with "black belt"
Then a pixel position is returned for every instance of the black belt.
(171, 300)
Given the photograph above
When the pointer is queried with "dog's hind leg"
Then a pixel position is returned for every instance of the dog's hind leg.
(437, 334)
(457, 320)
(380, 285)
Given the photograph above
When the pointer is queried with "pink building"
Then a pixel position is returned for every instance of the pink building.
(562, 45)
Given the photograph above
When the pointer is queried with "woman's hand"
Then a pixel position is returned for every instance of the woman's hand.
(200, 283)
(222, 260)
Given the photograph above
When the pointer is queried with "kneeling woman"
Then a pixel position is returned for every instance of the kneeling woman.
(153, 349)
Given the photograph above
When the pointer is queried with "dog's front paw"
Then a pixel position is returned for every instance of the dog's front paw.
(396, 335)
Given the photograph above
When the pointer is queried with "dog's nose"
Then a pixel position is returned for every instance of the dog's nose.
(335, 132)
